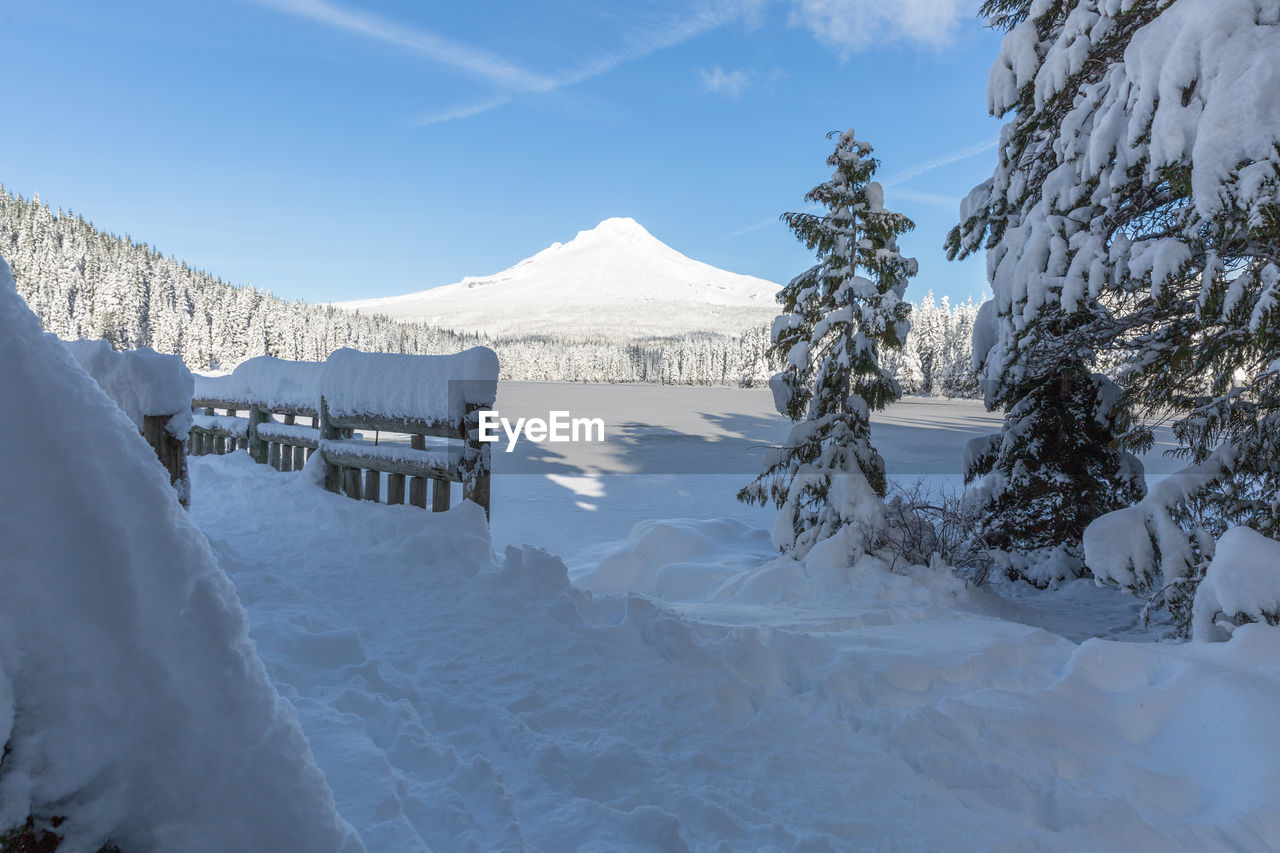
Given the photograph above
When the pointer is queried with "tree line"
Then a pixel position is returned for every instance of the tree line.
(84, 283)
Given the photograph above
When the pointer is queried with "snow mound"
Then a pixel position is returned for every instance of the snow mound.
(614, 281)
(141, 382)
(269, 381)
(132, 702)
(678, 558)
(1142, 547)
(430, 387)
(1242, 584)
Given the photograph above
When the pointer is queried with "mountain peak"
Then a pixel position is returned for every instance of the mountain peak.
(617, 226)
(614, 281)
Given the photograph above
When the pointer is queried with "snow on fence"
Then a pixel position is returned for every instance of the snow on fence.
(262, 388)
(419, 396)
(152, 389)
(422, 396)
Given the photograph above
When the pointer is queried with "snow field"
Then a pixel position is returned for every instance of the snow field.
(457, 699)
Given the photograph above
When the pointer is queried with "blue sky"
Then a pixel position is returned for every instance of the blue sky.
(341, 149)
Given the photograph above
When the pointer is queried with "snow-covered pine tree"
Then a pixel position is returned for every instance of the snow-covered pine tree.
(1061, 459)
(828, 480)
(928, 327)
(1135, 207)
(1183, 210)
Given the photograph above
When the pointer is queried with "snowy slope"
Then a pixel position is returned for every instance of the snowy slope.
(616, 280)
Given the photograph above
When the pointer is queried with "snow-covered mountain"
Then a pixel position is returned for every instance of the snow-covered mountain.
(616, 281)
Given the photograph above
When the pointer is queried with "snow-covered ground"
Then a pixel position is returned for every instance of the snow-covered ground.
(460, 694)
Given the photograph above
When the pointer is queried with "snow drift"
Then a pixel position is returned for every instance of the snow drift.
(132, 702)
(1241, 585)
(461, 701)
(141, 382)
(270, 381)
(429, 387)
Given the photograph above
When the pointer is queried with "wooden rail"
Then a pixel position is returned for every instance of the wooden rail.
(284, 445)
(432, 397)
(355, 468)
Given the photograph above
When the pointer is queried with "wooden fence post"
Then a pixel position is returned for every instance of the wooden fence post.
(395, 488)
(418, 491)
(328, 432)
(352, 484)
(257, 447)
(475, 459)
(170, 452)
(439, 495)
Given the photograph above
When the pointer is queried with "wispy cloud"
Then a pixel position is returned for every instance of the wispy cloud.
(777, 220)
(945, 160)
(947, 201)
(508, 77)
(464, 111)
(844, 25)
(658, 35)
(850, 25)
(756, 227)
(466, 58)
(732, 84)
(720, 82)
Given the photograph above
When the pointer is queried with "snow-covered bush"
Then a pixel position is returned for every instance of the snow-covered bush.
(1242, 585)
(132, 704)
(828, 480)
(1160, 547)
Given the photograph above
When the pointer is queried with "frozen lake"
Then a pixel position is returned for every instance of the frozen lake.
(680, 451)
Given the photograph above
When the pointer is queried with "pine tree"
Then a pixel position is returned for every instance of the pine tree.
(1061, 460)
(1132, 221)
(835, 322)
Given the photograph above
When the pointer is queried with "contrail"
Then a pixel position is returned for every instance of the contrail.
(944, 160)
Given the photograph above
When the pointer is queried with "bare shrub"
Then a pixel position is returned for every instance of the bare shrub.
(933, 523)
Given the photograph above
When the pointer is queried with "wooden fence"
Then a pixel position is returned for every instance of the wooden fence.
(284, 445)
(354, 467)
